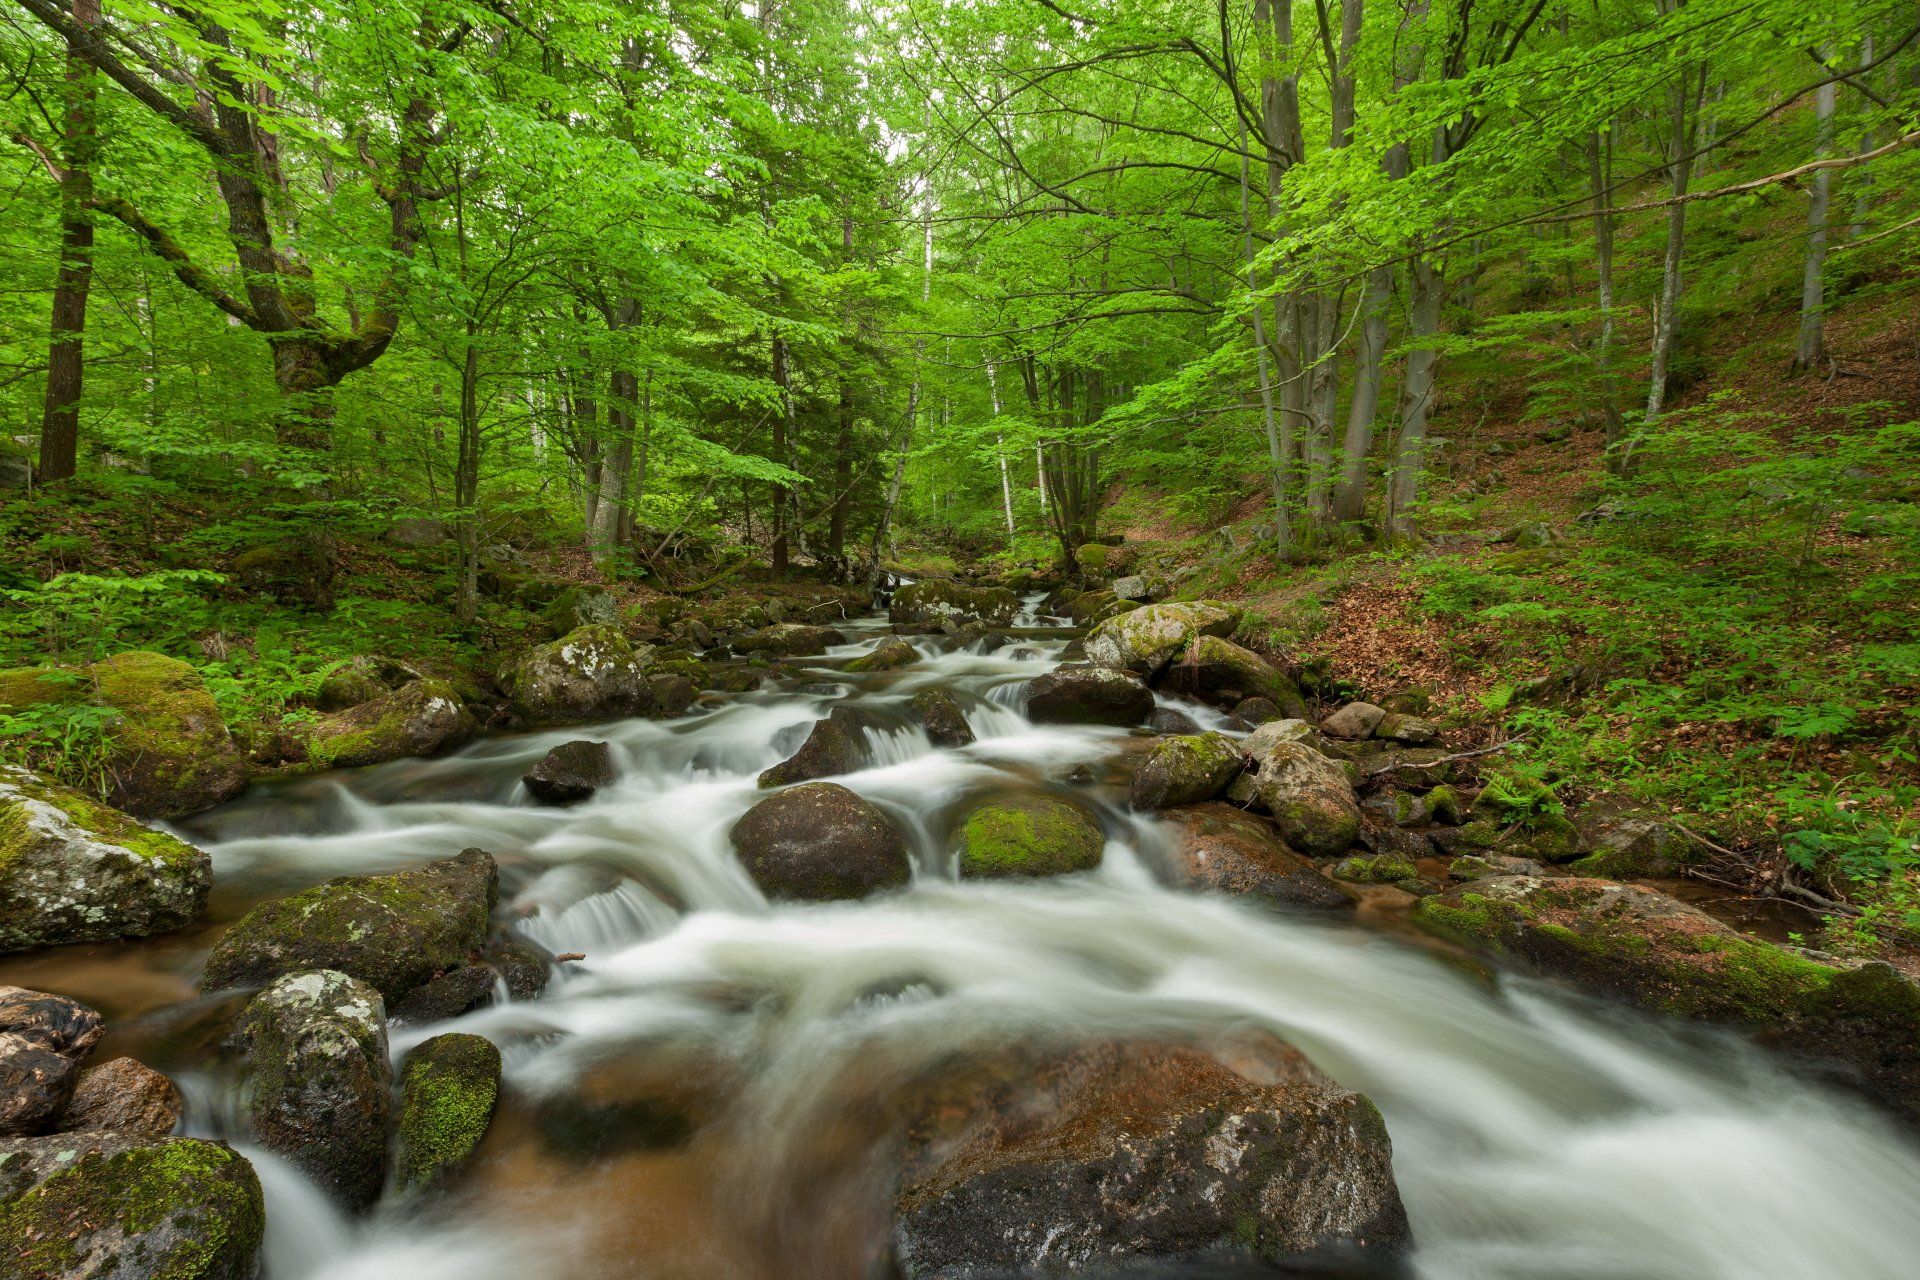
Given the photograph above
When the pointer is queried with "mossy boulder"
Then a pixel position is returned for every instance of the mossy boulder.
(820, 842)
(1621, 842)
(1114, 1155)
(577, 607)
(1090, 608)
(1862, 1023)
(448, 1087)
(1218, 848)
(421, 718)
(1185, 770)
(1310, 797)
(74, 870)
(104, 1205)
(831, 748)
(1148, 638)
(1033, 835)
(318, 1080)
(1088, 695)
(1381, 868)
(938, 600)
(1219, 671)
(890, 654)
(789, 640)
(393, 932)
(1093, 556)
(590, 674)
(297, 570)
(944, 719)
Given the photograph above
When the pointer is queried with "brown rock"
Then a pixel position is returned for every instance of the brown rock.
(125, 1097)
(1217, 848)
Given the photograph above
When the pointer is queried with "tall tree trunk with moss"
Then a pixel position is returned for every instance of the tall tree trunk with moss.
(80, 145)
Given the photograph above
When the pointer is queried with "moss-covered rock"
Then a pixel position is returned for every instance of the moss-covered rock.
(1310, 797)
(1655, 951)
(319, 1082)
(939, 600)
(1383, 868)
(296, 570)
(1146, 639)
(576, 607)
(393, 932)
(362, 679)
(1621, 842)
(1219, 671)
(1033, 835)
(421, 718)
(1088, 695)
(890, 654)
(107, 1205)
(820, 842)
(1090, 608)
(942, 716)
(1185, 770)
(1218, 848)
(831, 748)
(1401, 808)
(1093, 556)
(587, 675)
(74, 870)
(448, 1088)
(789, 640)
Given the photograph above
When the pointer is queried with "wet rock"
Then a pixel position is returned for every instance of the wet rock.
(1256, 711)
(1136, 1152)
(447, 996)
(1401, 808)
(1445, 804)
(943, 718)
(980, 639)
(1147, 639)
(830, 749)
(890, 654)
(1185, 770)
(575, 607)
(1088, 695)
(937, 600)
(74, 870)
(524, 965)
(1386, 840)
(124, 1097)
(570, 772)
(1355, 720)
(108, 1206)
(1382, 868)
(587, 675)
(393, 932)
(1860, 1023)
(1032, 835)
(448, 1088)
(43, 1038)
(1220, 849)
(1408, 729)
(820, 842)
(1309, 796)
(672, 694)
(1172, 720)
(1475, 866)
(1220, 671)
(789, 640)
(421, 718)
(318, 1080)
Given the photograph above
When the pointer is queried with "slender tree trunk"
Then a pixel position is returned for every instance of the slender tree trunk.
(60, 419)
(782, 420)
(842, 476)
(1350, 502)
(1810, 352)
(1862, 179)
(466, 482)
(1683, 101)
(1599, 178)
(1000, 451)
(1416, 396)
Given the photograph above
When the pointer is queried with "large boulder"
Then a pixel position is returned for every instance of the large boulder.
(393, 932)
(1090, 608)
(1147, 639)
(124, 1096)
(789, 640)
(421, 718)
(1088, 695)
(1131, 1153)
(1863, 1022)
(108, 1206)
(1217, 848)
(570, 772)
(831, 748)
(318, 1080)
(937, 600)
(890, 654)
(43, 1039)
(820, 842)
(1310, 797)
(1219, 671)
(298, 570)
(1031, 835)
(1186, 770)
(944, 719)
(587, 675)
(448, 1088)
(575, 607)
(74, 870)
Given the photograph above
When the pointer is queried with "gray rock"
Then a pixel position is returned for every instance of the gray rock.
(1147, 639)
(1185, 770)
(1355, 720)
(587, 675)
(570, 772)
(1218, 848)
(943, 717)
(820, 842)
(830, 749)
(1310, 797)
(1088, 695)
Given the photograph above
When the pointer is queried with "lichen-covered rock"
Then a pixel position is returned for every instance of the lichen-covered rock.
(938, 600)
(1088, 695)
(1148, 638)
(318, 1080)
(43, 1038)
(820, 842)
(362, 679)
(1355, 720)
(1139, 587)
(1219, 671)
(393, 932)
(1621, 842)
(123, 1096)
(1309, 796)
(1217, 848)
(1408, 729)
(1655, 951)
(943, 718)
(831, 748)
(1185, 770)
(1410, 767)
(421, 718)
(1031, 835)
(789, 640)
(1475, 866)
(589, 674)
(74, 870)
(448, 1087)
(108, 1206)
(577, 607)
(890, 654)
(1130, 1153)
(1090, 608)
(570, 772)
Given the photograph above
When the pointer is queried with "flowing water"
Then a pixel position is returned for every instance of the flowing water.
(1535, 1134)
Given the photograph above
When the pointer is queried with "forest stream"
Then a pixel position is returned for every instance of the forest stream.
(1535, 1133)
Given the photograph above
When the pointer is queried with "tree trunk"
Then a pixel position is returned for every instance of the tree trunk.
(1683, 101)
(1416, 396)
(1599, 178)
(842, 476)
(781, 421)
(1350, 502)
(466, 483)
(1810, 352)
(80, 144)
(1000, 451)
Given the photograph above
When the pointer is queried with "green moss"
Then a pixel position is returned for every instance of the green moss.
(1385, 868)
(1093, 555)
(108, 825)
(25, 687)
(1030, 836)
(449, 1087)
